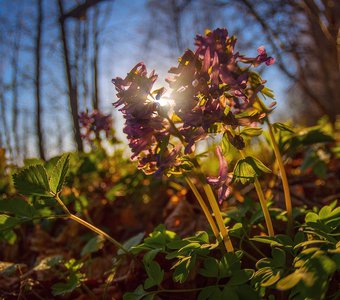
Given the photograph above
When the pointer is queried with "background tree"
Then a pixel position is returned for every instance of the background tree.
(39, 133)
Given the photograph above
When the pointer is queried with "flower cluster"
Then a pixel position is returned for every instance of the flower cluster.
(92, 124)
(146, 129)
(210, 86)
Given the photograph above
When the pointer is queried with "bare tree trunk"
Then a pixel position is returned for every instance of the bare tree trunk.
(84, 58)
(4, 123)
(72, 88)
(95, 59)
(39, 133)
(25, 138)
(14, 88)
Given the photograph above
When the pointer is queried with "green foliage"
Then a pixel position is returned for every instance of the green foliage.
(36, 181)
(73, 279)
(93, 245)
(32, 180)
(248, 168)
(249, 132)
(58, 174)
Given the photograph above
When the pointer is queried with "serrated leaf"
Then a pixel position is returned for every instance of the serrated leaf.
(93, 245)
(248, 168)
(18, 207)
(58, 174)
(33, 161)
(32, 181)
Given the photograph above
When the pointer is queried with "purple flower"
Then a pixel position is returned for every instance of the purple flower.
(146, 128)
(261, 58)
(92, 124)
(209, 82)
(221, 182)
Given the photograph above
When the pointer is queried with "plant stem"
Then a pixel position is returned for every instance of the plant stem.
(218, 216)
(264, 207)
(211, 198)
(88, 225)
(286, 191)
(204, 207)
(263, 202)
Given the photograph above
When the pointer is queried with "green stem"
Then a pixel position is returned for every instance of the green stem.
(211, 198)
(218, 216)
(286, 191)
(203, 206)
(263, 202)
(88, 225)
(264, 207)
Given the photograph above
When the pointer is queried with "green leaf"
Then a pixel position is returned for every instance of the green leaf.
(268, 92)
(155, 273)
(279, 257)
(58, 174)
(138, 294)
(229, 293)
(251, 131)
(63, 288)
(311, 217)
(183, 268)
(267, 240)
(241, 276)
(210, 269)
(210, 293)
(18, 207)
(153, 269)
(236, 230)
(272, 279)
(7, 222)
(325, 212)
(315, 136)
(32, 181)
(283, 127)
(131, 242)
(312, 242)
(248, 168)
(33, 161)
(93, 245)
(289, 281)
(225, 144)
